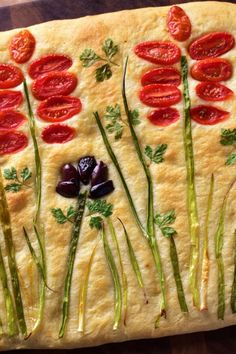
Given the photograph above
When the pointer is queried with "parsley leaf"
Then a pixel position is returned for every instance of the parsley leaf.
(113, 114)
(89, 57)
(25, 174)
(156, 155)
(103, 73)
(13, 187)
(231, 159)
(100, 206)
(60, 217)
(96, 222)
(10, 173)
(109, 48)
(135, 117)
(165, 219)
(228, 137)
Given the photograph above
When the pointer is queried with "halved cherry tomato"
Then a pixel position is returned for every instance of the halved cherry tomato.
(10, 120)
(213, 70)
(157, 95)
(211, 45)
(213, 91)
(161, 76)
(10, 76)
(53, 84)
(58, 134)
(10, 99)
(178, 24)
(158, 52)
(208, 115)
(48, 63)
(22, 46)
(59, 108)
(164, 116)
(11, 142)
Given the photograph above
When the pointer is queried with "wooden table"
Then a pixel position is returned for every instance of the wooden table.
(25, 14)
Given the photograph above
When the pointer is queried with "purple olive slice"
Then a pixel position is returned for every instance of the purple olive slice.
(68, 189)
(100, 174)
(101, 189)
(86, 166)
(68, 172)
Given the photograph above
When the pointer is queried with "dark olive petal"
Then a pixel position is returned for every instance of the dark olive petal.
(86, 166)
(68, 172)
(100, 174)
(68, 189)
(102, 189)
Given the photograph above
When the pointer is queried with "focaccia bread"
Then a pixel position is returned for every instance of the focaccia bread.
(137, 240)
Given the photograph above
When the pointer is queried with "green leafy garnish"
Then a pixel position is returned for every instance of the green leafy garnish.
(116, 280)
(89, 57)
(83, 293)
(95, 222)
(100, 206)
(205, 256)
(219, 242)
(228, 136)
(61, 218)
(115, 125)
(231, 159)
(134, 117)
(71, 260)
(134, 262)
(10, 174)
(150, 207)
(5, 221)
(191, 192)
(233, 291)
(156, 155)
(163, 221)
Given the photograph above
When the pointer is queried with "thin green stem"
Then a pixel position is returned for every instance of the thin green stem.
(7, 233)
(71, 260)
(123, 275)
(191, 192)
(116, 280)
(205, 256)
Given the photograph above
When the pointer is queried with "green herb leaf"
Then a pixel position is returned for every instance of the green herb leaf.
(59, 215)
(71, 212)
(10, 173)
(134, 116)
(113, 114)
(25, 174)
(95, 222)
(228, 136)
(164, 219)
(13, 187)
(103, 73)
(231, 159)
(109, 48)
(168, 231)
(100, 206)
(157, 154)
(89, 57)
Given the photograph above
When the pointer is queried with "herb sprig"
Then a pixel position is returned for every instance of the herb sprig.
(62, 218)
(90, 57)
(156, 155)
(19, 178)
(228, 138)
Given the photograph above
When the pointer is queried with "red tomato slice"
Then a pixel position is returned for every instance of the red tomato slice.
(164, 76)
(10, 99)
(48, 63)
(59, 108)
(157, 95)
(213, 70)
(10, 120)
(158, 52)
(22, 46)
(211, 45)
(164, 116)
(11, 142)
(178, 24)
(58, 134)
(10, 76)
(213, 91)
(53, 84)
(208, 115)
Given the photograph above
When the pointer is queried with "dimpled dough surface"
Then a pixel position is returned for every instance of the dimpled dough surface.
(71, 37)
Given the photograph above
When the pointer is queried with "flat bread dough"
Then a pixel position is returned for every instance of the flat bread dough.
(71, 37)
